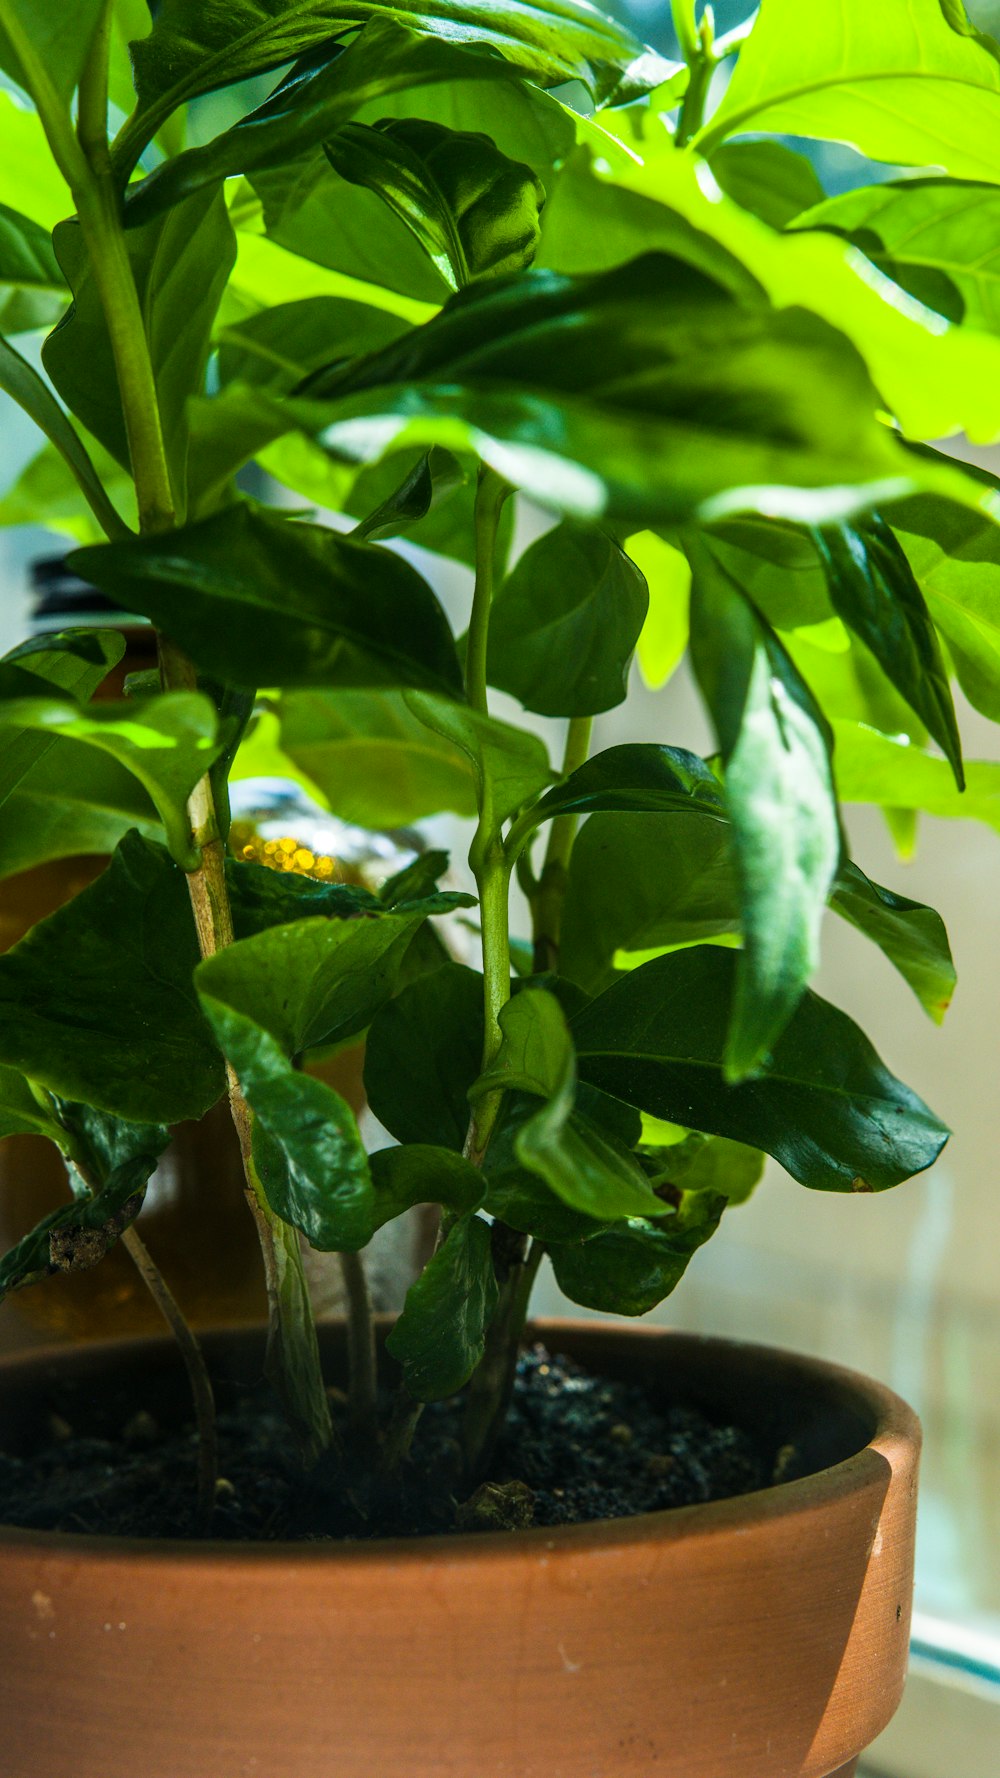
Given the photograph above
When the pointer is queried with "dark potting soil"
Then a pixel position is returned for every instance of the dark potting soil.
(576, 1447)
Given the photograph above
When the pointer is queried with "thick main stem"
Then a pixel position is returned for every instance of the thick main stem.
(194, 1363)
(361, 1359)
(293, 1339)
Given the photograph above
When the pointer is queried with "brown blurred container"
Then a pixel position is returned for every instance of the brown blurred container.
(758, 1637)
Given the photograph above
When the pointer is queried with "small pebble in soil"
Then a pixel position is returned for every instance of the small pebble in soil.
(575, 1447)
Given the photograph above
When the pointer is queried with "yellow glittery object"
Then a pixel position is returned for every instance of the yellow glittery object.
(287, 854)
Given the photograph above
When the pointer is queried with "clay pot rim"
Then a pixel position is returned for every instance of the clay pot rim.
(895, 1430)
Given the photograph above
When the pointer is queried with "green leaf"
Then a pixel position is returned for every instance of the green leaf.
(73, 661)
(434, 478)
(119, 1159)
(308, 108)
(277, 347)
(899, 85)
(262, 897)
(935, 379)
(313, 981)
(955, 556)
(24, 1114)
(565, 624)
(644, 394)
(629, 1269)
(440, 1336)
(637, 775)
(714, 1164)
(664, 635)
(47, 40)
(20, 381)
(515, 761)
(195, 48)
(576, 1161)
(827, 1108)
(932, 236)
(892, 772)
(640, 885)
(364, 755)
(75, 800)
(166, 742)
(873, 589)
(259, 599)
(46, 492)
(781, 803)
(307, 1152)
(32, 288)
(30, 181)
(180, 265)
(474, 212)
(419, 1173)
(104, 977)
(423, 1053)
(768, 179)
(912, 936)
(777, 566)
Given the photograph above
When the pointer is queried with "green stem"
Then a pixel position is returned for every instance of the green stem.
(547, 902)
(685, 20)
(293, 1350)
(361, 1358)
(491, 492)
(702, 61)
(492, 1386)
(199, 1381)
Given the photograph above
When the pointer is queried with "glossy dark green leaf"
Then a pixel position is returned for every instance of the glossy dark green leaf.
(423, 1053)
(47, 39)
(781, 803)
(827, 1108)
(520, 1198)
(370, 759)
(573, 1157)
(627, 1270)
(441, 1334)
(935, 237)
(643, 394)
(433, 479)
(275, 348)
(419, 1173)
(955, 556)
(260, 599)
(873, 589)
(308, 109)
(474, 211)
(514, 761)
(642, 884)
(312, 981)
(180, 265)
(32, 288)
(565, 624)
(899, 83)
(166, 742)
(637, 775)
(22, 383)
(262, 897)
(309, 1157)
(74, 800)
(768, 179)
(108, 976)
(71, 661)
(195, 48)
(111, 1164)
(912, 936)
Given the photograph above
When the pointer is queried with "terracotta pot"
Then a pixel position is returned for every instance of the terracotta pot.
(760, 1637)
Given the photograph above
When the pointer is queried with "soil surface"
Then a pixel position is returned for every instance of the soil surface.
(576, 1447)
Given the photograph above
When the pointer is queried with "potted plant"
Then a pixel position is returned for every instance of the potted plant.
(436, 258)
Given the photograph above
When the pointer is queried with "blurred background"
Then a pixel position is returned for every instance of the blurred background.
(903, 1285)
